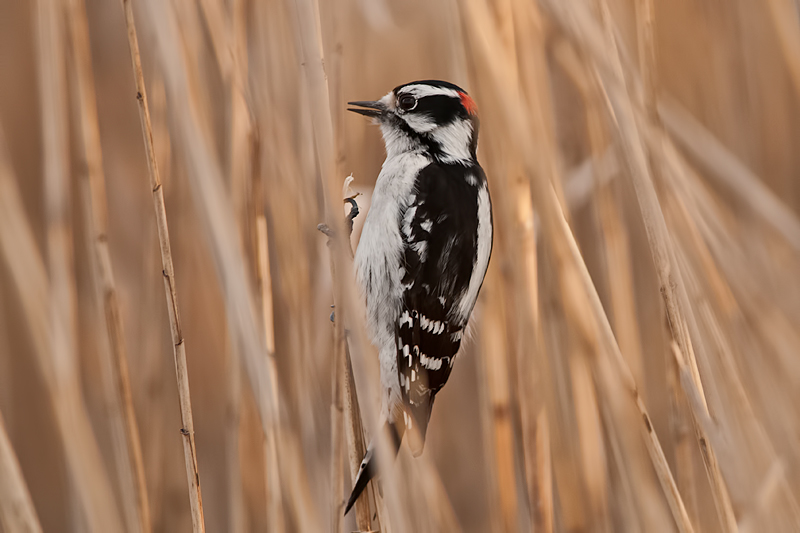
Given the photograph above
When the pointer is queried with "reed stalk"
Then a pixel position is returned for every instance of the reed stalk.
(567, 252)
(29, 275)
(679, 311)
(93, 184)
(170, 289)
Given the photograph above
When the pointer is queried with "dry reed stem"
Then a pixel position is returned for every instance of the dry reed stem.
(720, 289)
(564, 245)
(592, 449)
(219, 221)
(27, 270)
(544, 514)
(93, 182)
(233, 463)
(539, 498)
(152, 317)
(308, 24)
(307, 17)
(179, 347)
(17, 512)
(669, 275)
(617, 241)
(528, 56)
(742, 180)
(536, 453)
(215, 208)
(619, 260)
(645, 22)
(496, 406)
(356, 447)
(726, 170)
(239, 139)
(93, 495)
(274, 497)
(495, 345)
(349, 309)
(354, 430)
(337, 405)
(679, 311)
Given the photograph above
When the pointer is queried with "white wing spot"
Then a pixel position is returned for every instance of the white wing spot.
(408, 219)
(421, 248)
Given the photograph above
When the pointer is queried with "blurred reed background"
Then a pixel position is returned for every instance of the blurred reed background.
(635, 362)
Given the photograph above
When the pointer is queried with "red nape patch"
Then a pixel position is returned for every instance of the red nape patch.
(468, 103)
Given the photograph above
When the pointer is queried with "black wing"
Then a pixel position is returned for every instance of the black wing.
(440, 232)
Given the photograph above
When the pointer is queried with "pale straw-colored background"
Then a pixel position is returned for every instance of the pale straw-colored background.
(662, 134)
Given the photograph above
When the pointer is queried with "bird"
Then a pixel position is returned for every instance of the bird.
(423, 252)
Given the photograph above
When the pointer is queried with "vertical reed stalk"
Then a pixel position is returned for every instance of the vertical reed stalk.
(497, 409)
(564, 245)
(93, 183)
(679, 312)
(240, 129)
(274, 498)
(356, 447)
(94, 496)
(337, 416)
(544, 515)
(347, 311)
(28, 273)
(179, 347)
(213, 203)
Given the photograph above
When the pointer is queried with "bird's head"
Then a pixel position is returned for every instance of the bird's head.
(435, 117)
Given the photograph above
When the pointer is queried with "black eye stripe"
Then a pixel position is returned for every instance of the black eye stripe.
(442, 109)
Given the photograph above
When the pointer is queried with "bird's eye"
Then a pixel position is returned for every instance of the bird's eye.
(407, 102)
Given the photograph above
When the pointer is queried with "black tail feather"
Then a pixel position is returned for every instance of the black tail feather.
(368, 466)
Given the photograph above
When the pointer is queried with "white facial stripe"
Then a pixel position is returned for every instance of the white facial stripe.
(419, 123)
(454, 140)
(421, 91)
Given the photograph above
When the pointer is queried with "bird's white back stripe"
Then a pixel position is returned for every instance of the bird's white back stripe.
(484, 250)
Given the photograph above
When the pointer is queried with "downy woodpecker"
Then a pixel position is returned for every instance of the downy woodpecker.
(423, 251)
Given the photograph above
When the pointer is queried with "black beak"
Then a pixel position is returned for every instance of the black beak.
(372, 109)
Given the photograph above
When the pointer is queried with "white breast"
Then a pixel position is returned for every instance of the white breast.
(378, 257)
